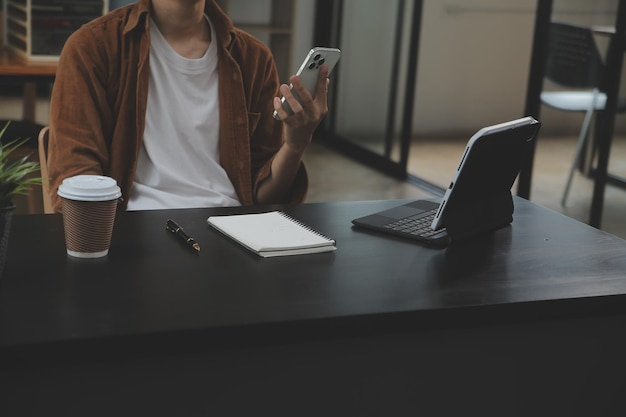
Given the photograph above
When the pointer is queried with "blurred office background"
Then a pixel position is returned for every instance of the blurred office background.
(471, 70)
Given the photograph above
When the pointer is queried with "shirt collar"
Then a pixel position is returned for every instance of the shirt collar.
(224, 28)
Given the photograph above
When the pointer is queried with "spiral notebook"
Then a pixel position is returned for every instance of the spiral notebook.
(272, 233)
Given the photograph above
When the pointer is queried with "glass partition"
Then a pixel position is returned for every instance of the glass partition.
(373, 89)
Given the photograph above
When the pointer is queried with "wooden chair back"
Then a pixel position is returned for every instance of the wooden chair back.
(43, 163)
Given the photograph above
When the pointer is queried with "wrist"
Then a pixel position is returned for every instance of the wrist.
(296, 150)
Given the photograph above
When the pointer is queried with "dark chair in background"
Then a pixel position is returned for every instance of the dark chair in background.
(575, 67)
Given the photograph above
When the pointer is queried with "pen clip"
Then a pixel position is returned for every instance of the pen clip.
(172, 226)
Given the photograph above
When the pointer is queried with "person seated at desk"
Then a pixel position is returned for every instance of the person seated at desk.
(176, 104)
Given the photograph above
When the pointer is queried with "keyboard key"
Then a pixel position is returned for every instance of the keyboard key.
(417, 225)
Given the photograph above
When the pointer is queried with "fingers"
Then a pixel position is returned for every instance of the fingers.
(322, 84)
(299, 99)
(291, 105)
(279, 112)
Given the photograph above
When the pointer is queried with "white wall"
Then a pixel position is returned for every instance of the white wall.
(473, 64)
(475, 57)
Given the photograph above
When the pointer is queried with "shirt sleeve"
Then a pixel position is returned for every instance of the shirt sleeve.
(267, 137)
(80, 117)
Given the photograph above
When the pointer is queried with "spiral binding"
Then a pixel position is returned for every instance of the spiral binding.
(304, 226)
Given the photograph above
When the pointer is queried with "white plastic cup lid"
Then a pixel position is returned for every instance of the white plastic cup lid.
(89, 188)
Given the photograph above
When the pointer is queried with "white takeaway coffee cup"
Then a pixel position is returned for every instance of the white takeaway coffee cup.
(89, 206)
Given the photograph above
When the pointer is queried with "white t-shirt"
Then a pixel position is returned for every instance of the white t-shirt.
(178, 164)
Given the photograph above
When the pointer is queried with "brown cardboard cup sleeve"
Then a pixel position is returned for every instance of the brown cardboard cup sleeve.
(89, 206)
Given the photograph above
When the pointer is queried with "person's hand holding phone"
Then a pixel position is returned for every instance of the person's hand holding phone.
(306, 111)
(301, 109)
(309, 76)
(304, 103)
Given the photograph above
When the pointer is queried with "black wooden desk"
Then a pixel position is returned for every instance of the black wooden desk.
(526, 320)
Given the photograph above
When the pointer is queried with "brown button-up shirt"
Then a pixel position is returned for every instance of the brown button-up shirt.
(100, 95)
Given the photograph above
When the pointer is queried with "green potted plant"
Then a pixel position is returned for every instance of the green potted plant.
(15, 179)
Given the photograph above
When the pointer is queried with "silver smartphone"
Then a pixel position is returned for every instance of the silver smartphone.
(309, 71)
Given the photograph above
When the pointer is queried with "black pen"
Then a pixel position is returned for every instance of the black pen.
(178, 231)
